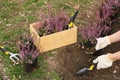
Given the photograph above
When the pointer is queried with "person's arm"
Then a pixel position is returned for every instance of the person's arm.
(115, 37)
(115, 56)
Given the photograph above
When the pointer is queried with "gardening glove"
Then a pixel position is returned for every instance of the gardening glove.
(103, 61)
(102, 42)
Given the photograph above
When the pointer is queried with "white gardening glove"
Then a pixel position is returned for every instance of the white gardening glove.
(103, 61)
(102, 42)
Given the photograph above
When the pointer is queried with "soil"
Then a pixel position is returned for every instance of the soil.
(30, 67)
(70, 59)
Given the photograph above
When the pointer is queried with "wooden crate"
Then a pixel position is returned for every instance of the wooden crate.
(55, 40)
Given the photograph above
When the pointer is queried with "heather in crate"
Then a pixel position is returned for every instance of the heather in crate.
(54, 22)
(52, 31)
(57, 23)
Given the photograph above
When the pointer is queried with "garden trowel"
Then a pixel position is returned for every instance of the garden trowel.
(85, 70)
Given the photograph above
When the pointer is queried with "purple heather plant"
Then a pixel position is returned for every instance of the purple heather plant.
(55, 21)
(107, 11)
(28, 52)
(93, 31)
(105, 17)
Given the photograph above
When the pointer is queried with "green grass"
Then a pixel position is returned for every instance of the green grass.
(15, 17)
(84, 1)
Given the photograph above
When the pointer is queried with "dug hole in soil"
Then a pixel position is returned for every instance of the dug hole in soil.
(70, 59)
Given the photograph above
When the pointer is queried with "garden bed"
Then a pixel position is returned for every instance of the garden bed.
(68, 60)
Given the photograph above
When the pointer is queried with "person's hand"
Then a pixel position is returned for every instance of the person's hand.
(103, 61)
(102, 42)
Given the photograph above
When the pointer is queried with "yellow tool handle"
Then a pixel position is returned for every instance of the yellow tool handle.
(70, 25)
(91, 67)
(4, 50)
